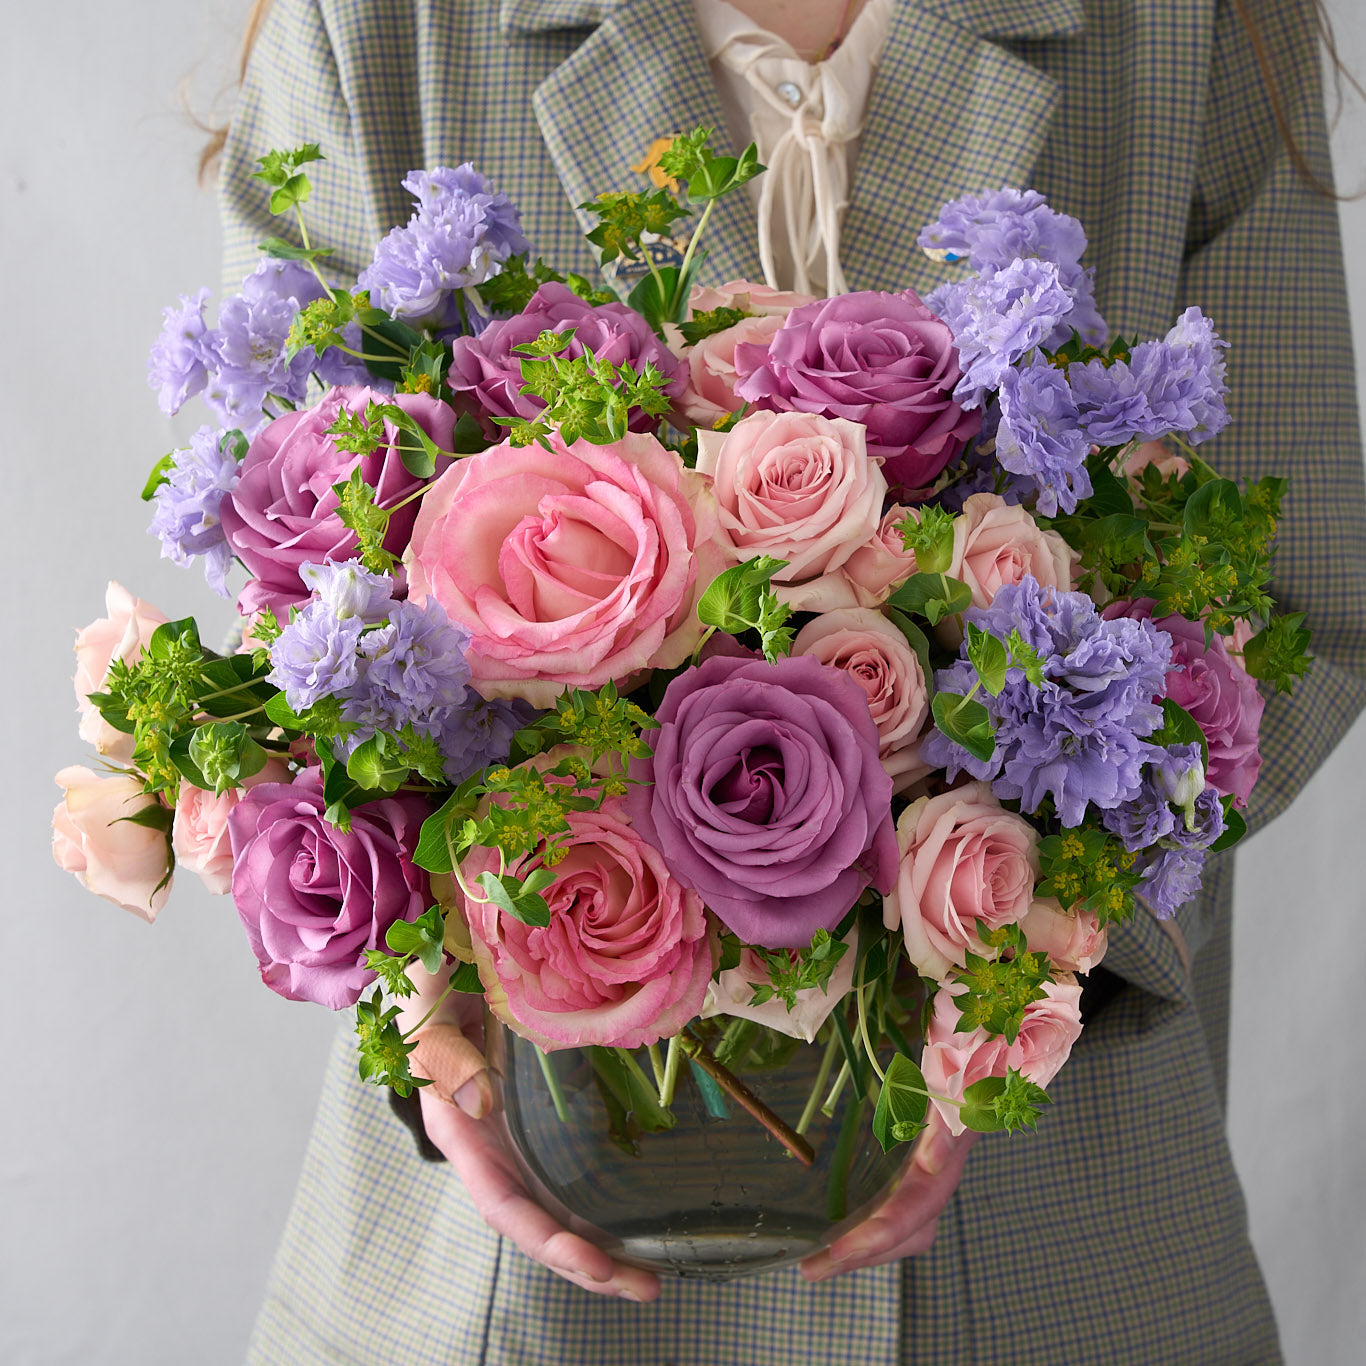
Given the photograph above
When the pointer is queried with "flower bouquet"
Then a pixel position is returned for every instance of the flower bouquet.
(765, 704)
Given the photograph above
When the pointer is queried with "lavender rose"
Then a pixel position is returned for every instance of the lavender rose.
(883, 360)
(282, 513)
(486, 374)
(314, 898)
(765, 794)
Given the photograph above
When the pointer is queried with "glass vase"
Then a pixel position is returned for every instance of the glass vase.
(716, 1195)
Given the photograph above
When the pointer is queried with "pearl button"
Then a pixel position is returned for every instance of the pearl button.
(791, 93)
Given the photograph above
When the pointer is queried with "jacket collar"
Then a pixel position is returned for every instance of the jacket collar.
(951, 112)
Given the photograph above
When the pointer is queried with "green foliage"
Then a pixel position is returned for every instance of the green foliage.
(988, 656)
(287, 251)
(702, 325)
(281, 171)
(966, 722)
(1279, 653)
(520, 897)
(384, 1052)
(161, 472)
(466, 978)
(378, 764)
(1235, 827)
(319, 323)
(996, 990)
(1011, 1102)
(794, 970)
(707, 175)
(623, 219)
(224, 754)
(1089, 868)
(357, 510)
(1179, 727)
(585, 398)
(902, 1104)
(632, 1091)
(741, 599)
(929, 538)
(932, 596)
(601, 722)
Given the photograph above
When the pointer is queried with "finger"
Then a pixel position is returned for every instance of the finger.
(457, 1069)
(821, 1267)
(495, 1187)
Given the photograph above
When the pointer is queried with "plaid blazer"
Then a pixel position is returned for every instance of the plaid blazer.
(1117, 1233)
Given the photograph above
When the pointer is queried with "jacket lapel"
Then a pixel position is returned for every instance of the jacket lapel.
(951, 112)
(641, 75)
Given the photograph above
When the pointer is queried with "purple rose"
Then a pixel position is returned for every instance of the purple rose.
(282, 513)
(313, 898)
(883, 360)
(765, 794)
(1218, 692)
(486, 374)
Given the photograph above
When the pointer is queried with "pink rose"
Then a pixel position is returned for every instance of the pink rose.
(118, 859)
(995, 544)
(123, 634)
(710, 391)
(882, 563)
(1073, 940)
(1155, 453)
(964, 858)
(1218, 692)
(732, 990)
(626, 957)
(568, 567)
(880, 660)
(760, 300)
(199, 834)
(952, 1062)
(801, 488)
(282, 513)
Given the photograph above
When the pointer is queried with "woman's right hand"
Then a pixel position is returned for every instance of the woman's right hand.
(455, 1111)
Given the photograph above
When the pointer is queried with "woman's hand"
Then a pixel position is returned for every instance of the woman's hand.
(906, 1222)
(454, 1110)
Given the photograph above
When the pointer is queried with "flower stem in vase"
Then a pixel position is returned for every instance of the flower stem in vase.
(671, 1060)
(837, 1195)
(732, 1085)
(822, 1076)
(552, 1084)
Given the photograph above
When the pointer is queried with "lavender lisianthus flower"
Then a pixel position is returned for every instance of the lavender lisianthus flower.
(1039, 436)
(350, 590)
(479, 732)
(1170, 878)
(413, 666)
(997, 318)
(185, 517)
(178, 365)
(315, 656)
(460, 235)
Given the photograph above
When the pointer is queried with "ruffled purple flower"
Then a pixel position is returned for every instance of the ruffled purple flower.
(1171, 877)
(479, 733)
(350, 590)
(413, 670)
(1172, 385)
(315, 656)
(1077, 738)
(1039, 436)
(460, 235)
(186, 514)
(486, 372)
(997, 318)
(177, 367)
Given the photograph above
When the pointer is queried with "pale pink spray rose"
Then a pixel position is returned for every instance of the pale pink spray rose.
(123, 634)
(880, 660)
(569, 567)
(964, 858)
(1074, 941)
(730, 994)
(118, 859)
(626, 957)
(798, 487)
(879, 565)
(710, 393)
(952, 1062)
(1158, 454)
(199, 833)
(995, 544)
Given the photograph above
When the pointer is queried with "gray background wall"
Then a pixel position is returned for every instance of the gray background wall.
(154, 1121)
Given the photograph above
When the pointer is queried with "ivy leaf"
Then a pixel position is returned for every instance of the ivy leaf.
(901, 1104)
(966, 722)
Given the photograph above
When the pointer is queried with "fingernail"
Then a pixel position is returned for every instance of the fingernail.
(472, 1098)
(628, 1295)
(934, 1152)
(859, 1244)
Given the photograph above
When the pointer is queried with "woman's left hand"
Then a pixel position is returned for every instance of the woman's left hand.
(906, 1222)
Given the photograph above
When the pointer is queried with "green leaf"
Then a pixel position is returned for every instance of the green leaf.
(932, 596)
(152, 817)
(929, 537)
(1011, 1102)
(917, 640)
(438, 841)
(1179, 727)
(466, 978)
(966, 722)
(1235, 827)
(422, 938)
(225, 754)
(282, 714)
(901, 1104)
(988, 656)
(733, 601)
(392, 972)
(979, 1109)
(377, 764)
(636, 1095)
(507, 894)
(161, 472)
(282, 250)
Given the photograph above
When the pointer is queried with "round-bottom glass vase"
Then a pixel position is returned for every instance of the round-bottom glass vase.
(715, 1195)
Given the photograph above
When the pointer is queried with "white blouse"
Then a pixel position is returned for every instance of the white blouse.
(806, 118)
